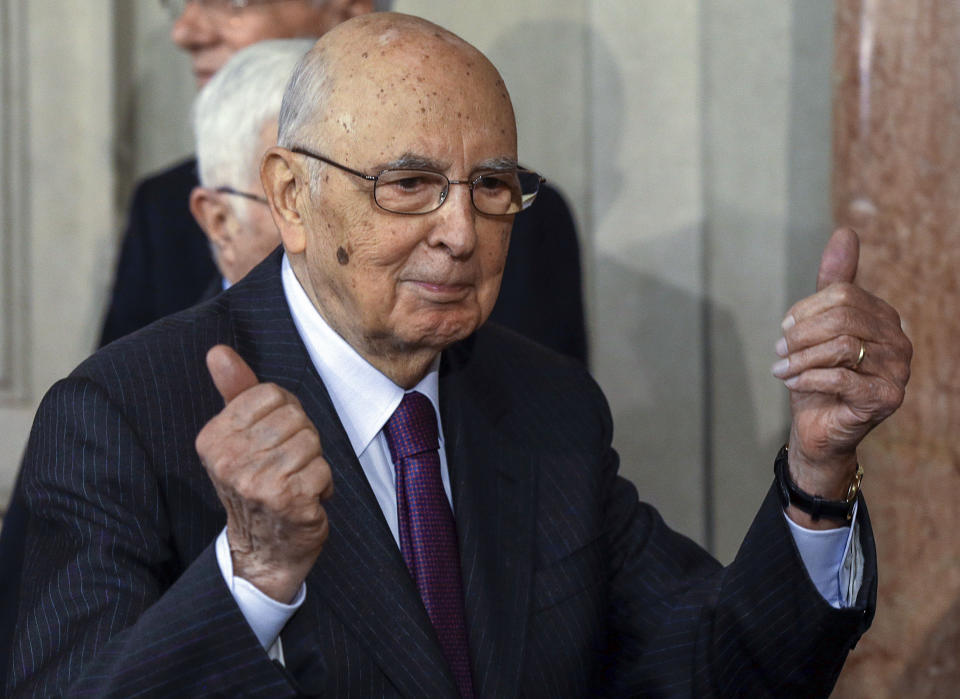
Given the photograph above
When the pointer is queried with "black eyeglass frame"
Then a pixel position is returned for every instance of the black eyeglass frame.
(443, 198)
(246, 195)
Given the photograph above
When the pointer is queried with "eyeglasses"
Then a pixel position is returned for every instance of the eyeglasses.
(175, 8)
(406, 191)
(246, 195)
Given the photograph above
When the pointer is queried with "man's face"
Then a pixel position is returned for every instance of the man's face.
(211, 33)
(392, 283)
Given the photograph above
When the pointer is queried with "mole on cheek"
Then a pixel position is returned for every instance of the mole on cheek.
(342, 256)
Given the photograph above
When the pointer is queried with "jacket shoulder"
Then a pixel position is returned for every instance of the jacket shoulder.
(536, 384)
(174, 180)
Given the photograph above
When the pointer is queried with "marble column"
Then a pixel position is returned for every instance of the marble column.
(897, 182)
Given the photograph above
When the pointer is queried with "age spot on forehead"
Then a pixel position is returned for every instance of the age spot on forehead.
(342, 257)
(346, 121)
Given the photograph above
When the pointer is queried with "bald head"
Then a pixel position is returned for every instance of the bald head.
(390, 69)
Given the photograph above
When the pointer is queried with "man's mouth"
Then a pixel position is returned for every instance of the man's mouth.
(442, 291)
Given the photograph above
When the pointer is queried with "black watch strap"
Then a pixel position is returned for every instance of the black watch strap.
(814, 505)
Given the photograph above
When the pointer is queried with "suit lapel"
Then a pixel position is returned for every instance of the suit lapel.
(360, 574)
(495, 506)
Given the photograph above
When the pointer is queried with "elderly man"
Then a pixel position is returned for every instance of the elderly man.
(378, 495)
(165, 263)
(234, 123)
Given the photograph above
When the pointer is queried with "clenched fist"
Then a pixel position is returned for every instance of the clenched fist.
(265, 460)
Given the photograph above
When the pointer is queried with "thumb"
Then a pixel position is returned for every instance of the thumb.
(231, 375)
(839, 260)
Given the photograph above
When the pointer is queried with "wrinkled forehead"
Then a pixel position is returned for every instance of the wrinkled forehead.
(408, 90)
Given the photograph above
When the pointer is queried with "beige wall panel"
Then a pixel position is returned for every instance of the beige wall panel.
(647, 213)
(156, 88)
(67, 197)
(766, 182)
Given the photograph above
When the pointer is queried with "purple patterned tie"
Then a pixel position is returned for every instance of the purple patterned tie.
(428, 534)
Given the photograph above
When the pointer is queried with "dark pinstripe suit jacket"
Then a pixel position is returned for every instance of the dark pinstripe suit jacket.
(572, 587)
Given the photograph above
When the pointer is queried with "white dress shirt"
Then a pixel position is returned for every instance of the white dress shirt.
(365, 399)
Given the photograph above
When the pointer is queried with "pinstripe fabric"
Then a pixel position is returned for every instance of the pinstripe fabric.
(571, 586)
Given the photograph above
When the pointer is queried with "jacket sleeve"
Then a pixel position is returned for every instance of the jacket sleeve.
(682, 625)
(107, 606)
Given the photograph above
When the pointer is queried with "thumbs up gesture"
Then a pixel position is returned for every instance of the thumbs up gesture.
(846, 361)
(265, 460)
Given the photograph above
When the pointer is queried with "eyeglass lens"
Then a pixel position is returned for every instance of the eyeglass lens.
(422, 191)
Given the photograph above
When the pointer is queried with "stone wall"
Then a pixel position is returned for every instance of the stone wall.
(897, 182)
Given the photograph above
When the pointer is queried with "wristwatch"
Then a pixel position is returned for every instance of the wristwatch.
(814, 505)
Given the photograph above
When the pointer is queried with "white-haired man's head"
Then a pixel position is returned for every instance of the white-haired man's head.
(235, 121)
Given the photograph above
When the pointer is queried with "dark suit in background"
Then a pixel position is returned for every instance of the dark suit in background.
(165, 266)
(571, 585)
(165, 261)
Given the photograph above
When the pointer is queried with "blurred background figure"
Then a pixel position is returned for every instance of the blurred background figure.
(165, 264)
(234, 122)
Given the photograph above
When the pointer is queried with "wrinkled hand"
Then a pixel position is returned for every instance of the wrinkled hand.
(838, 395)
(265, 460)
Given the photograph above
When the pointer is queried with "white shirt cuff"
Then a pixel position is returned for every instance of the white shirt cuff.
(833, 559)
(266, 616)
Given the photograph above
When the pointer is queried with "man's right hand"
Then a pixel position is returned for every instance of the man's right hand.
(265, 460)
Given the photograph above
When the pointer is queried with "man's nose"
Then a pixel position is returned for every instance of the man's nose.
(457, 228)
(193, 29)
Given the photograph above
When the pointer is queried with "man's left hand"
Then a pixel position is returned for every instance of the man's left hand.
(846, 361)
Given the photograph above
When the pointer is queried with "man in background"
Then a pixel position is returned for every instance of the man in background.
(234, 123)
(165, 263)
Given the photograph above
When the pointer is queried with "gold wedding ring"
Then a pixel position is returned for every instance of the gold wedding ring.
(863, 351)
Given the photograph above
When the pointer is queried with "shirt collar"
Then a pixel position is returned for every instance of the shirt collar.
(363, 397)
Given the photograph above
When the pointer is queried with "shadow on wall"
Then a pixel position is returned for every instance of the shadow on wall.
(657, 348)
(660, 376)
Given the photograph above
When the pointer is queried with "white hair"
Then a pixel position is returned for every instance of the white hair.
(231, 110)
(308, 88)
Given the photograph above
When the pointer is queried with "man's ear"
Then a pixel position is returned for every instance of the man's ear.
(283, 182)
(212, 214)
(218, 222)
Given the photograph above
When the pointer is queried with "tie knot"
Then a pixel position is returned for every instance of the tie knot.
(412, 429)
